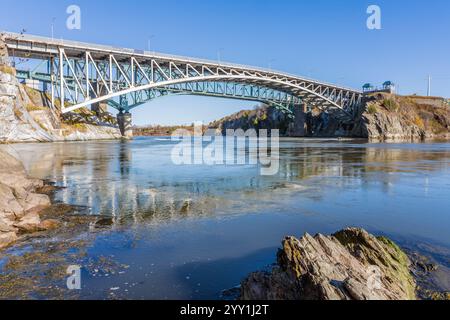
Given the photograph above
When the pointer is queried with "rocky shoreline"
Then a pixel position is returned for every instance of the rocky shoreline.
(348, 265)
(22, 199)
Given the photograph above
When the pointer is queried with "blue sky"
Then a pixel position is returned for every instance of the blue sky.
(323, 39)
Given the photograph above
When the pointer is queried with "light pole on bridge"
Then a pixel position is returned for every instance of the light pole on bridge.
(149, 42)
(271, 61)
(53, 28)
(219, 55)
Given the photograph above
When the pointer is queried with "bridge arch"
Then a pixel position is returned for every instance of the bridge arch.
(276, 84)
(159, 93)
(82, 74)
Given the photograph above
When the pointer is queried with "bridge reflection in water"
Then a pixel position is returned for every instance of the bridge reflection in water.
(189, 232)
(135, 181)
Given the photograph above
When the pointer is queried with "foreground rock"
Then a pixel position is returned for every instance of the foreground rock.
(349, 265)
(19, 204)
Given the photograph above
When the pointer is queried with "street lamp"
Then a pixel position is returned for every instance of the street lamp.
(270, 64)
(219, 55)
(149, 42)
(53, 28)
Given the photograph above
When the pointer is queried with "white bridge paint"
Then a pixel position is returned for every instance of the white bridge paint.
(194, 79)
(84, 74)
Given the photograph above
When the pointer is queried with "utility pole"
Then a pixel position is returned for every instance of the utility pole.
(270, 64)
(149, 42)
(53, 28)
(429, 86)
(219, 55)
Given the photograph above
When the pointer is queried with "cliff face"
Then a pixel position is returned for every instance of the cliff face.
(390, 117)
(263, 117)
(25, 115)
(387, 117)
(383, 117)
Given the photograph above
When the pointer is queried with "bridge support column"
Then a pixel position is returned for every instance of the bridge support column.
(299, 127)
(125, 124)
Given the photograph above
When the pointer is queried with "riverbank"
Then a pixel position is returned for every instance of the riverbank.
(159, 131)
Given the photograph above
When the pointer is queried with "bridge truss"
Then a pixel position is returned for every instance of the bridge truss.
(81, 74)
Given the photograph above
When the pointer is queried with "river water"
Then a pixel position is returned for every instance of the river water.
(162, 231)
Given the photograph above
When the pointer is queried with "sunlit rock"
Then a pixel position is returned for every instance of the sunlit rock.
(350, 265)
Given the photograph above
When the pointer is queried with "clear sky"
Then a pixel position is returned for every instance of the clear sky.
(323, 39)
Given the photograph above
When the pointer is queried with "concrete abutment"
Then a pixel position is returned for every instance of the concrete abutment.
(125, 122)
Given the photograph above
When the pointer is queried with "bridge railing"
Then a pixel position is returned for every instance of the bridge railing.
(155, 55)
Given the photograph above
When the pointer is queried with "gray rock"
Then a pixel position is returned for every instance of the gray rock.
(350, 265)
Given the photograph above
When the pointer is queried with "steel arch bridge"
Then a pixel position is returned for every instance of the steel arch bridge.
(81, 74)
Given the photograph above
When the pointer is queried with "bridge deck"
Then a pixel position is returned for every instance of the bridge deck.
(30, 46)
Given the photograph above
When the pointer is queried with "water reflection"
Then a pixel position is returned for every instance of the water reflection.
(136, 180)
(180, 226)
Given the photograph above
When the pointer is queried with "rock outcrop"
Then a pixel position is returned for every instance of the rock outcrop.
(19, 202)
(382, 117)
(349, 265)
(262, 117)
(388, 117)
(25, 114)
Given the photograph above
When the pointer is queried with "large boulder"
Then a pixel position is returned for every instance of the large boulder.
(7, 238)
(10, 207)
(19, 204)
(350, 265)
(29, 223)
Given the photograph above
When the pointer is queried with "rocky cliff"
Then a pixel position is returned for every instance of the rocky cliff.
(262, 117)
(26, 116)
(382, 117)
(388, 117)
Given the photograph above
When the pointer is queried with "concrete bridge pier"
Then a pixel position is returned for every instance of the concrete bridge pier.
(299, 128)
(125, 123)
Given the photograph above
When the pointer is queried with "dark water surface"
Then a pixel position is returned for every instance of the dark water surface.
(188, 232)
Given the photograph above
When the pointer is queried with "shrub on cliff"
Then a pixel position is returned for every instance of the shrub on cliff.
(390, 104)
(372, 109)
(8, 70)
